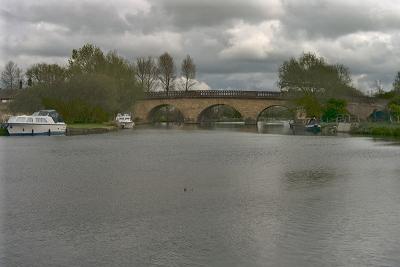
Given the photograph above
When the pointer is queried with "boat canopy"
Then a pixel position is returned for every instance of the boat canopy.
(51, 113)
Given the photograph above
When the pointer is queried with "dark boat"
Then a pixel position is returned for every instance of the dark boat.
(311, 126)
(315, 128)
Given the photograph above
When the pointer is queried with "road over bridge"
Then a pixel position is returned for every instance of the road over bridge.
(250, 104)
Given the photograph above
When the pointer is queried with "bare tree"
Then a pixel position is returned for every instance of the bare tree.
(378, 88)
(45, 73)
(396, 83)
(11, 76)
(140, 68)
(166, 71)
(146, 72)
(188, 70)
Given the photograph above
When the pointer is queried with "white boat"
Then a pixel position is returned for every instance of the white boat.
(124, 121)
(43, 122)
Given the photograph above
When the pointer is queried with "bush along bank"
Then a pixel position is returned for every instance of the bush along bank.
(377, 129)
(3, 131)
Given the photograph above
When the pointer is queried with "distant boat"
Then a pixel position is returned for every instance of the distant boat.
(315, 128)
(43, 122)
(124, 121)
(311, 126)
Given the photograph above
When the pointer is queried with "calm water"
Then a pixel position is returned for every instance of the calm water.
(251, 200)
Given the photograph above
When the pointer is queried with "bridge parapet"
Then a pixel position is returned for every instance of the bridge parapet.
(214, 94)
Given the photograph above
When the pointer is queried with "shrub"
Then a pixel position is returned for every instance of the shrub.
(334, 108)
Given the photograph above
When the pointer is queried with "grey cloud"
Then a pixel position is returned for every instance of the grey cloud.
(243, 81)
(331, 19)
(86, 17)
(207, 13)
(184, 15)
(230, 40)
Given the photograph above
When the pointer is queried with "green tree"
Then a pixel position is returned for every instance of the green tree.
(333, 108)
(310, 81)
(27, 101)
(87, 59)
(311, 104)
(94, 88)
(124, 76)
(394, 108)
(312, 75)
(84, 98)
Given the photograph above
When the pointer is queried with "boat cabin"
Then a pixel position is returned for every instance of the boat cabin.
(51, 113)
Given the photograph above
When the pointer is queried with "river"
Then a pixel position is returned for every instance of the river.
(195, 197)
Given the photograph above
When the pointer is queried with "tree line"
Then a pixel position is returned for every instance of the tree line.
(94, 85)
(151, 73)
(323, 89)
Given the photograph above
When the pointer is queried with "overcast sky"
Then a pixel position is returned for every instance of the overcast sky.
(235, 43)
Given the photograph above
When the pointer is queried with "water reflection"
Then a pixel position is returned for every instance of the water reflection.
(274, 127)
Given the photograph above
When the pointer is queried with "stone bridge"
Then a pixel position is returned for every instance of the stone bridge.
(250, 104)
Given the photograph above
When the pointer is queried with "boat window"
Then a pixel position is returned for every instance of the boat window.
(43, 113)
(41, 120)
(29, 119)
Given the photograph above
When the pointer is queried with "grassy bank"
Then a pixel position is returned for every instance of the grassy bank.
(90, 128)
(91, 125)
(377, 129)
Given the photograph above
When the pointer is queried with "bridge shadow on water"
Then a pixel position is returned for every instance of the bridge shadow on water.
(259, 128)
(222, 117)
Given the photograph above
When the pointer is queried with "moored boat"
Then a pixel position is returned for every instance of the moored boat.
(313, 126)
(43, 122)
(124, 121)
(309, 126)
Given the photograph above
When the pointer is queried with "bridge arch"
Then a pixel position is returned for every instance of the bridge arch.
(165, 113)
(216, 112)
(281, 110)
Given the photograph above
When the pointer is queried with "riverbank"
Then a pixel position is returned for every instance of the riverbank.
(377, 129)
(90, 128)
(81, 129)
